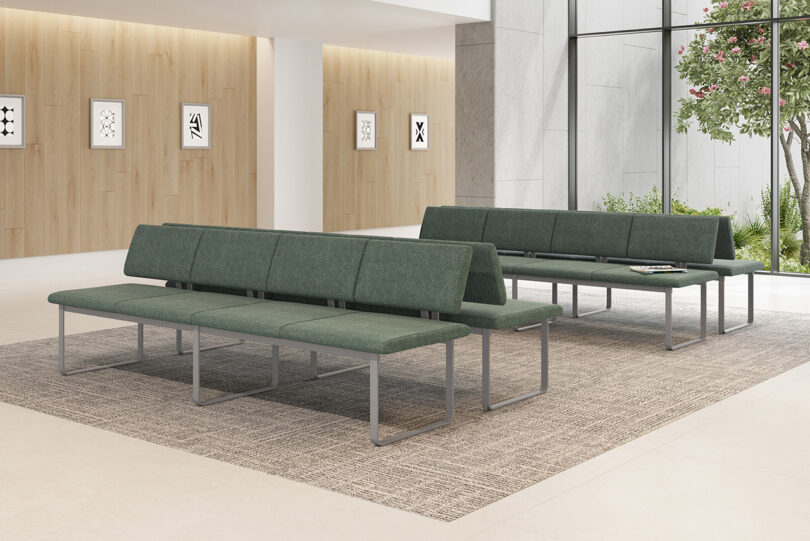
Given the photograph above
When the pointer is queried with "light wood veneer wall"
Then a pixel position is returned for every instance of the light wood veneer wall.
(393, 184)
(57, 195)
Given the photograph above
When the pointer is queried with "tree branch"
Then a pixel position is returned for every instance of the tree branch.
(791, 167)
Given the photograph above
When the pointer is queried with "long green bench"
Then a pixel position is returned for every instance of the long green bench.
(528, 232)
(485, 309)
(386, 273)
(589, 248)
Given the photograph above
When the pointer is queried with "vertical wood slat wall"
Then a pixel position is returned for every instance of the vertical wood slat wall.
(391, 185)
(57, 195)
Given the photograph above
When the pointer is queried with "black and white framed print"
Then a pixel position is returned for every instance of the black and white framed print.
(12, 121)
(195, 123)
(420, 131)
(365, 131)
(107, 123)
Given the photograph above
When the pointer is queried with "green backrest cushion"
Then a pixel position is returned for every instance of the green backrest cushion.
(454, 223)
(416, 275)
(231, 258)
(673, 238)
(523, 230)
(591, 233)
(316, 266)
(725, 239)
(164, 253)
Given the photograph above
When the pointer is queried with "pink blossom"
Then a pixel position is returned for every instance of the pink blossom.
(705, 10)
(719, 57)
(705, 49)
(711, 30)
(761, 30)
(802, 45)
(760, 39)
(754, 57)
(732, 39)
(765, 91)
(752, 40)
(735, 50)
(714, 87)
(744, 78)
(723, 5)
(789, 65)
(700, 95)
(702, 34)
(748, 5)
(681, 49)
(781, 101)
(692, 91)
(788, 128)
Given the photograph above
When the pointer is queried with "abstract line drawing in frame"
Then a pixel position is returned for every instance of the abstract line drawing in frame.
(107, 124)
(365, 130)
(420, 131)
(195, 126)
(12, 121)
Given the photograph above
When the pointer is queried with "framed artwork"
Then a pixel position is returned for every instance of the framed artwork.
(420, 131)
(12, 121)
(195, 125)
(107, 123)
(365, 130)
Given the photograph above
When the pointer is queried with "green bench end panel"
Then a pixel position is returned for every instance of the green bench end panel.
(165, 253)
(725, 239)
(317, 266)
(454, 223)
(421, 276)
(673, 238)
(228, 258)
(591, 233)
(485, 279)
(522, 230)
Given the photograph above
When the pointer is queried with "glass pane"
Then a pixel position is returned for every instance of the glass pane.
(721, 128)
(794, 157)
(794, 8)
(613, 15)
(716, 11)
(619, 139)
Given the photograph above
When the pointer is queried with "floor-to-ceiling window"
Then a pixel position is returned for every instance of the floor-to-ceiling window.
(671, 105)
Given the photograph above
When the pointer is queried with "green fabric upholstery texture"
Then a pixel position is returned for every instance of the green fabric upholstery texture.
(591, 233)
(673, 238)
(374, 333)
(623, 275)
(454, 223)
(565, 269)
(105, 298)
(725, 239)
(234, 259)
(520, 229)
(316, 266)
(163, 253)
(729, 267)
(181, 308)
(511, 263)
(422, 276)
(514, 312)
(264, 318)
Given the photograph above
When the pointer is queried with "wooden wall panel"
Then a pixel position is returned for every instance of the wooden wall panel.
(57, 195)
(393, 184)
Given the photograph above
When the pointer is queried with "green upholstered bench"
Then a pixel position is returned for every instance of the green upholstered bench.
(385, 273)
(582, 248)
(485, 308)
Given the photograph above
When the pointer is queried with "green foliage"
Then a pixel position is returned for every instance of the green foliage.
(751, 231)
(790, 218)
(649, 203)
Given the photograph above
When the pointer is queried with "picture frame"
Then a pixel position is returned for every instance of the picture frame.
(365, 130)
(107, 124)
(195, 126)
(12, 121)
(420, 131)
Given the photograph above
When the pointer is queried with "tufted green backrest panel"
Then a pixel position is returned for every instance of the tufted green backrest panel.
(673, 238)
(317, 266)
(164, 253)
(454, 223)
(232, 258)
(725, 239)
(591, 233)
(523, 230)
(416, 275)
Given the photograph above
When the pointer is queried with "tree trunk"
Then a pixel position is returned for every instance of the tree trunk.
(804, 204)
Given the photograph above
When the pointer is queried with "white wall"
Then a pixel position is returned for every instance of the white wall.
(298, 141)
(265, 126)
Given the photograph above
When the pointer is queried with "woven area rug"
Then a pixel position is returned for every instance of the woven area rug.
(611, 382)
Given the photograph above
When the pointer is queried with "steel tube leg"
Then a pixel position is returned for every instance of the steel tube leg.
(554, 297)
(179, 340)
(703, 311)
(486, 371)
(61, 350)
(514, 287)
(750, 298)
(61, 354)
(668, 317)
(313, 364)
(140, 342)
(609, 299)
(276, 360)
(195, 355)
(485, 355)
(574, 300)
(721, 323)
(721, 305)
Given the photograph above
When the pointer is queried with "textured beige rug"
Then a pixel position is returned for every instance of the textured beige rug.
(611, 382)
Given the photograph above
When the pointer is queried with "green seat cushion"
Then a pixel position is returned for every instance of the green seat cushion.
(510, 263)
(374, 333)
(591, 233)
(673, 238)
(729, 267)
(520, 229)
(564, 269)
(623, 275)
(263, 318)
(234, 259)
(105, 298)
(164, 253)
(514, 312)
(454, 223)
(181, 308)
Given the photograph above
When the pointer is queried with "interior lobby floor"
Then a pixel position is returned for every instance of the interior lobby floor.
(735, 470)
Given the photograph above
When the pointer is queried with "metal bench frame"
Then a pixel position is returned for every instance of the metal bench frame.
(721, 305)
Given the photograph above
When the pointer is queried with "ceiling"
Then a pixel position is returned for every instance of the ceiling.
(424, 27)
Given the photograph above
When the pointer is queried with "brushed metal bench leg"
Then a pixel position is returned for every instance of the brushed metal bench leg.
(313, 368)
(374, 399)
(181, 351)
(486, 338)
(575, 303)
(668, 320)
(721, 306)
(61, 352)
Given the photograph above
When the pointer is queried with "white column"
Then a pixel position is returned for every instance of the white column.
(265, 127)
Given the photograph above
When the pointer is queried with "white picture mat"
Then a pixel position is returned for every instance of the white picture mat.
(187, 114)
(365, 130)
(107, 123)
(417, 118)
(16, 120)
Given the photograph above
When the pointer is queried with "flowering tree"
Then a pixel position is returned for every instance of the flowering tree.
(729, 70)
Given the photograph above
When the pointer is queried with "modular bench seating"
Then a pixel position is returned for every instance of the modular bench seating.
(485, 308)
(388, 274)
(594, 248)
